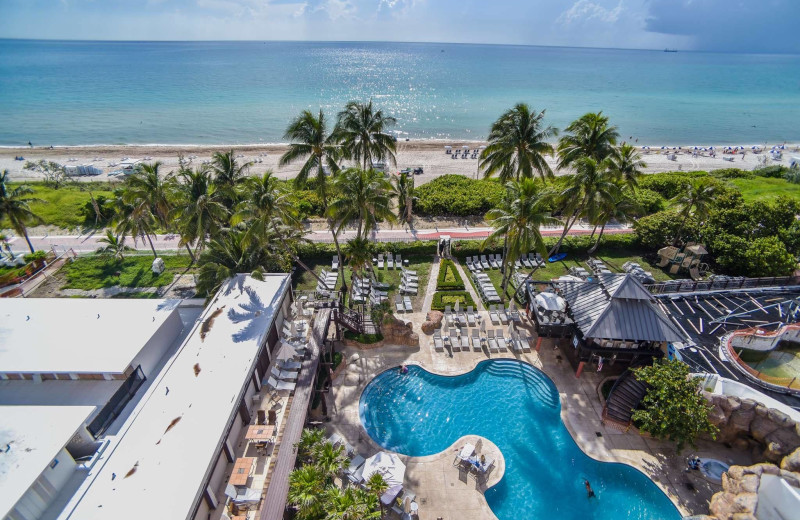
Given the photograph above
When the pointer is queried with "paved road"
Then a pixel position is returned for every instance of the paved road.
(89, 242)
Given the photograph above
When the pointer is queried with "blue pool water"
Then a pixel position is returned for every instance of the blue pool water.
(517, 407)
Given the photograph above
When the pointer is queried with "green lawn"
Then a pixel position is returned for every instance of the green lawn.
(62, 207)
(92, 272)
(766, 188)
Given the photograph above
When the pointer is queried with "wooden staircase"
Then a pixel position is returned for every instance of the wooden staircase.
(624, 398)
(355, 321)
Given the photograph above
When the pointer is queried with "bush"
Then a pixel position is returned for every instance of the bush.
(776, 171)
(364, 339)
(648, 201)
(33, 257)
(444, 298)
(456, 195)
(106, 207)
(308, 203)
(449, 277)
(659, 229)
(668, 184)
(764, 256)
(733, 173)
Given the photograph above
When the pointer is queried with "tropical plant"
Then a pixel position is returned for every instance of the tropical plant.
(361, 131)
(404, 187)
(329, 459)
(350, 504)
(307, 446)
(377, 485)
(362, 197)
(197, 212)
(695, 202)
(627, 165)
(518, 145)
(359, 255)
(228, 174)
(114, 246)
(589, 136)
(672, 408)
(146, 202)
(518, 221)
(15, 207)
(54, 175)
(307, 492)
(620, 207)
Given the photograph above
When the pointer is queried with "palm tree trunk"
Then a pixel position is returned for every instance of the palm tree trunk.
(341, 261)
(152, 247)
(191, 254)
(504, 270)
(27, 238)
(593, 230)
(680, 230)
(597, 243)
(297, 258)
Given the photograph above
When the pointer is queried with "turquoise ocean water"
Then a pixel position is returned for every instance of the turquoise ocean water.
(69, 93)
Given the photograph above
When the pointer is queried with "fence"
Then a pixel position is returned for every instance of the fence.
(721, 284)
(791, 383)
(114, 407)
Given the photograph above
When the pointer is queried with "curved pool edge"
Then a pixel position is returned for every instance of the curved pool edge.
(607, 457)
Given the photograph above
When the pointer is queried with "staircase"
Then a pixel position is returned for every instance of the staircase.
(625, 396)
(355, 321)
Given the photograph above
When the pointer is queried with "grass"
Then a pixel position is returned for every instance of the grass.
(766, 188)
(62, 207)
(364, 339)
(443, 299)
(92, 272)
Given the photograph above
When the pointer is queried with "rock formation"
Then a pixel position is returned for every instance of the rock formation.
(433, 322)
(398, 332)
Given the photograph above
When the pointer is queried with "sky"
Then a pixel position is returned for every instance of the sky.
(759, 26)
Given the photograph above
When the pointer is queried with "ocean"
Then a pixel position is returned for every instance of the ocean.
(81, 93)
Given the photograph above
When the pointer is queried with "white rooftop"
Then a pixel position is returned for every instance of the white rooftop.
(158, 462)
(68, 335)
(35, 435)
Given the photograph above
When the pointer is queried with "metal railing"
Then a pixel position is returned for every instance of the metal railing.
(118, 401)
(721, 284)
(791, 383)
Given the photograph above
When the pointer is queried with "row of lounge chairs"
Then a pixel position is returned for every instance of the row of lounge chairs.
(391, 262)
(284, 373)
(529, 261)
(484, 263)
(499, 314)
(485, 287)
(403, 303)
(409, 282)
(364, 289)
(459, 340)
(328, 281)
(461, 318)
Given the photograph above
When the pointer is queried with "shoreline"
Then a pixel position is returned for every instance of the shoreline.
(429, 153)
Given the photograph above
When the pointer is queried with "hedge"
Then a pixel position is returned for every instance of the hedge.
(364, 339)
(449, 277)
(444, 298)
(456, 195)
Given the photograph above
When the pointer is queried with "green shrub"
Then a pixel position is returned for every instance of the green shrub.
(733, 173)
(449, 278)
(648, 201)
(308, 203)
(444, 298)
(776, 171)
(456, 195)
(364, 339)
(668, 184)
(764, 256)
(659, 229)
(36, 255)
(106, 207)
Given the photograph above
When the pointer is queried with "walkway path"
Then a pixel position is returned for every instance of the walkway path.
(469, 287)
(431, 288)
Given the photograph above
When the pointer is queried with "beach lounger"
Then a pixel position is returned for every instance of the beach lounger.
(445, 337)
(524, 339)
(398, 261)
(471, 321)
(356, 462)
(493, 314)
(464, 340)
(407, 303)
(289, 365)
(501, 340)
(438, 344)
(448, 315)
(518, 263)
(283, 375)
(281, 386)
(477, 342)
(493, 347)
(525, 261)
(335, 263)
(493, 262)
(485, 263)
(408, 290)
(501, 311)
(357, 476)
(398, 303)
(380, 261)
(455, 344)
(389, 261)
(335, 439)
(408, 272)
(516, 344)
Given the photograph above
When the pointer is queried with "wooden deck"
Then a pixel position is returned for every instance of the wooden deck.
(274, 504)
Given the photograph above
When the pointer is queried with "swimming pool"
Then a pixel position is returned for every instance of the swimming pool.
(516, 407)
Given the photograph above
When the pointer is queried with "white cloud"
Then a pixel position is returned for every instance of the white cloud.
(584, 11)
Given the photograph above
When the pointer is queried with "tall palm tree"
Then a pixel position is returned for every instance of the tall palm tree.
(518, 145)
(228, 174)
(377, 485)
(15, 206)
(312, 142)
(362, 197)
(404, 187)
(620, 207)
(361, 130)
(588, 136)
(148, 196)
(695, 202)
(114, 246)
(627, 165)
(330, 459)
(308, 445)
(350, 504)
(307, 492)
(518, 220)
(197, 211)
(359, 256)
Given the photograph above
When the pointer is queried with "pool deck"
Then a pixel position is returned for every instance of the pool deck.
(443, 494)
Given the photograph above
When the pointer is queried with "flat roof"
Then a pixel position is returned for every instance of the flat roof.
(33, 436)
(68, 335)
(160, 458)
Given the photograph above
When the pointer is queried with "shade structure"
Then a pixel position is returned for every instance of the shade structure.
(388, 465)
(697, 249)
(551, 301)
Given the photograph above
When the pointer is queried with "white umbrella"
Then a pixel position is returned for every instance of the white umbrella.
(458, 305)
(483, 326)
(388, 465)
(550, 301)
(511, 328)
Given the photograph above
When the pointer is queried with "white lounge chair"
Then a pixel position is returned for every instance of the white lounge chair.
(491, 341)
(493, 314)
(398, 261)
(407, 303)
(408, 272)
(525, 261)
(283, 375)
(501, 340)
(380, 261)
(406, 289)
(335, 263)
(518, 263)
(448, 315)
(501, 311)
(477, 343)
(485, 263)
(289, 365)
(438, 344)
(455, 344)
(464, 340)
(516, 344)
(471, 321)
(389, 261)
(281, 386)
(493, 262)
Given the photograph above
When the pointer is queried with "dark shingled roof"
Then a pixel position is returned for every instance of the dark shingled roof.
(617, 306)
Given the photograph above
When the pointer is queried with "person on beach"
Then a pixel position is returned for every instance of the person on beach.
(589, 491)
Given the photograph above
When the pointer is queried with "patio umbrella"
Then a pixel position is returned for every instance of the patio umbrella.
(458, 305)
(483, 326)
(511, 328)
(550, 301)
(386, 464)
(299, 304)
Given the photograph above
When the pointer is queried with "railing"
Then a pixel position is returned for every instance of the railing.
(355, 321)
(791, 383)
(118, 401)
(721, 284)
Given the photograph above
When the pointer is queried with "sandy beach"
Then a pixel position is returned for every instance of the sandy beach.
(430, 155)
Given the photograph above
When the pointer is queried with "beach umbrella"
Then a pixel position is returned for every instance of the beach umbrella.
(511, 331)
(782, 147)
(387, 465)
(458, 305)
(465, 147)
(550, 301)
(483, 326)
(663, 147)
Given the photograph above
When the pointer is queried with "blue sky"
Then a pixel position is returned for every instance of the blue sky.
(716, 25)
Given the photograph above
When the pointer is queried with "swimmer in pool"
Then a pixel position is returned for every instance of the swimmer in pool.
(403, 369)
(589, 492)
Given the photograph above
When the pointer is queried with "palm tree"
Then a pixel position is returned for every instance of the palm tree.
(588, 136)
(307, 492)
(620, 207)
(377, 485)
(308, 444)
(330, 459)
(147, 196)
(359, 256)
(350, 504)
(197, 212)
(311, 141)
(518, 220)
(695, 202)
(228, 174)
(229, 254)
(114, 246)
(404, 187)
(363, 196)
(627, 165)
(518, 145)
(361, 130)
(15, 206)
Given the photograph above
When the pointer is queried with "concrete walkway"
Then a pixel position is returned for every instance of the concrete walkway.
(469, 287)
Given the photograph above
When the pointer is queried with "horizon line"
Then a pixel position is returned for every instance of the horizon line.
(80, 40)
